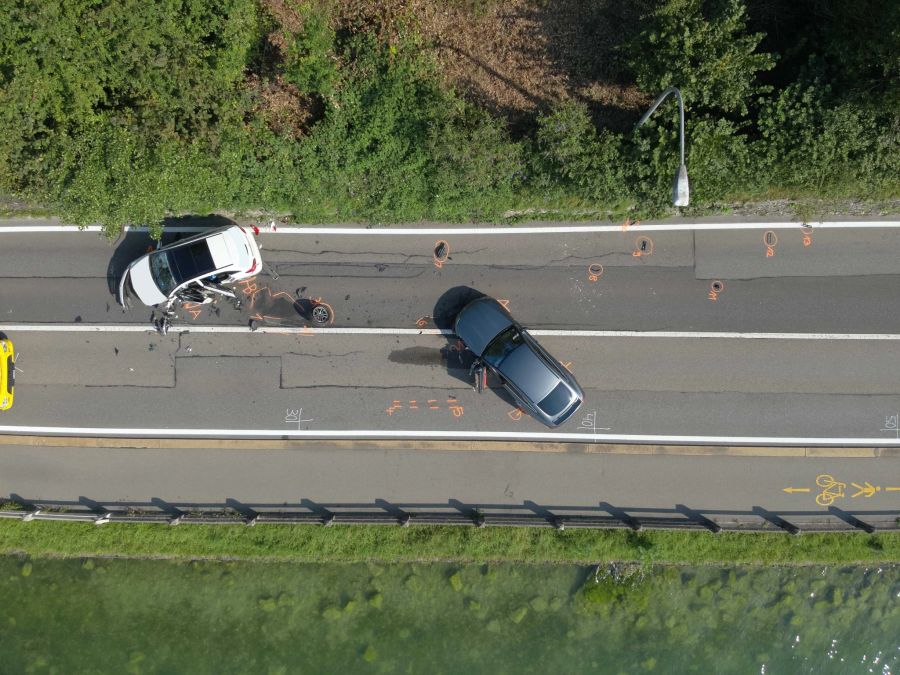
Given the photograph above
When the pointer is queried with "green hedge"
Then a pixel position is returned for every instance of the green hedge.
(122, 112)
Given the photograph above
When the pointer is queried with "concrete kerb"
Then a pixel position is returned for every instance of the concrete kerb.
(126, 443)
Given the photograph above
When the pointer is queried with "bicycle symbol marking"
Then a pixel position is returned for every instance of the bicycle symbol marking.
(831, 489)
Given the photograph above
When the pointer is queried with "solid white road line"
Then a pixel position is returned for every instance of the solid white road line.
(373, 434)
(486, 230)
(335, 330)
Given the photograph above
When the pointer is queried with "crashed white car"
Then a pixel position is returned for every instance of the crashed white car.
(221, 256)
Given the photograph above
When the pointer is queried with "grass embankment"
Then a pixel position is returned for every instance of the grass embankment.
(351, 543)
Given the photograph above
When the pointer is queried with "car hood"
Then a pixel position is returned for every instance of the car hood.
(142, 282)
(481, 321)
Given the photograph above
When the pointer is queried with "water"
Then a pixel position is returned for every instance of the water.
(128, 616)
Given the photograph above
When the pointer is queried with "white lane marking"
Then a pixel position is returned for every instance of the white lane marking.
(451, 230)
(76, 229)
(333, 330)
(446, 435)
(190, 328)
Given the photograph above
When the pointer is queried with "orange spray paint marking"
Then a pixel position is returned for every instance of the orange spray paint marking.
(642, 247)
(567, 365)
(595, 271)
(441, 253)
(807, 236)
(422, 321)
(257, 291)
(515, 415)
(503, 302)
(413, 405)
(770, 239)
(431, 404)
(306, 331)
(715, 288)
(192, 308)
(628, 223)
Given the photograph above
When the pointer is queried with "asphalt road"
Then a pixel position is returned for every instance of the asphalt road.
(845, 281)
(639, 389)
(726, 489)
(666, 387)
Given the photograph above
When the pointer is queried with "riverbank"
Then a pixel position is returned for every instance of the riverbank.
(358, 543)
(151, 616)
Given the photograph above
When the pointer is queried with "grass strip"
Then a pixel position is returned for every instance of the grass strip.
(354, 543)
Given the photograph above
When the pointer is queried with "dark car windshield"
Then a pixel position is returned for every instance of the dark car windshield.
(502, 345)
(162, 273)
(556, 400)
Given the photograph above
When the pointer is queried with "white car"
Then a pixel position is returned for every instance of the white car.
(221, 256)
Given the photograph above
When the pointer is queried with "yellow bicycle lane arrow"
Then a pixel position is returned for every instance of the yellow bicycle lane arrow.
(792, 490)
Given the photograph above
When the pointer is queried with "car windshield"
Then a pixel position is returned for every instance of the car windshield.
(162, 273)
(556, 400)
(501, 346)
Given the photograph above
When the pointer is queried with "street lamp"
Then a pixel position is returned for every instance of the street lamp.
(680, 188)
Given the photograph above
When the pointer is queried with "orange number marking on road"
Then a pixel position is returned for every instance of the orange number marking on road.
(807, 236)
(770, 239)
(595, 271)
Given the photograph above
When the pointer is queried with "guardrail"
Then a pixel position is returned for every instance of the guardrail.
(453, 512)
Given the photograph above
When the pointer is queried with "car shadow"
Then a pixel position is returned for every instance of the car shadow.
(455, 356)
(450, 303)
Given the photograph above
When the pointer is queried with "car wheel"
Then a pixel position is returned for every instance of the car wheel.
(321, 315)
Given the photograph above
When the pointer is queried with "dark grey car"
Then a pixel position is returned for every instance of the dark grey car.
(540, 384)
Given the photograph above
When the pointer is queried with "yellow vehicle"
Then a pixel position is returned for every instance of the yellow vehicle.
(7, 373)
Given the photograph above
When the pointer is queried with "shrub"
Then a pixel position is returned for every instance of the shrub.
(700, 46)
(475, 168)
(572, 155)
(111, 176)
(309, 60)
(811, 141)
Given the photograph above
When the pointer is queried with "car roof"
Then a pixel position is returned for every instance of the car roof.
(481, 321)
(191, 260)
(529, 372)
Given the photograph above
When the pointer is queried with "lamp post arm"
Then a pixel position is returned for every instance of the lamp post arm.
(652, 109)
